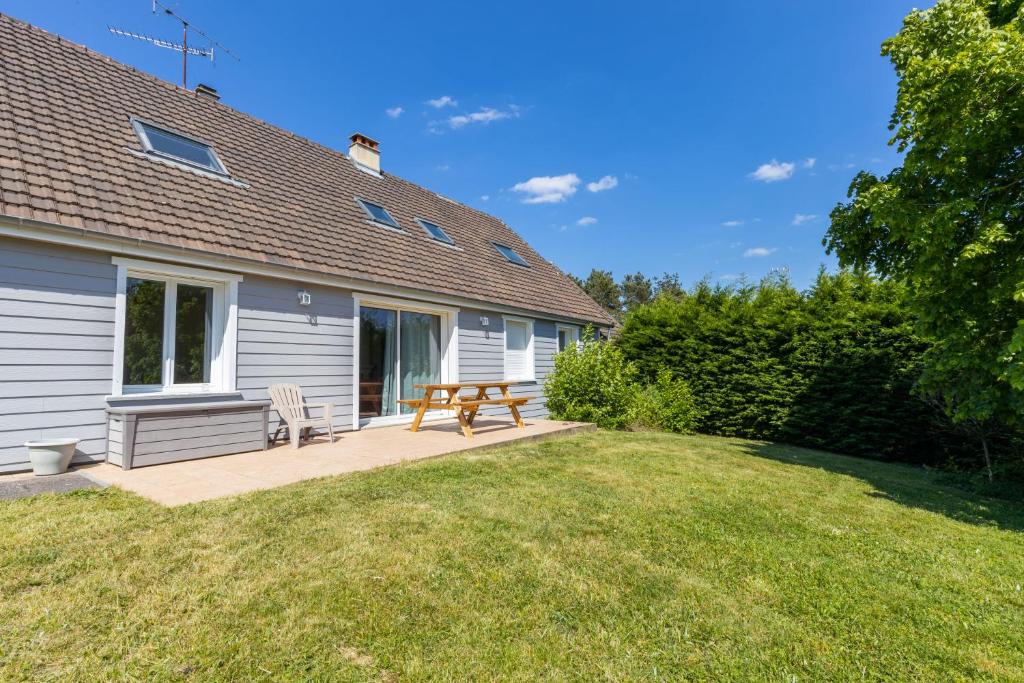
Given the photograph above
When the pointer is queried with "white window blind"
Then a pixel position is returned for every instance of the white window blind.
(518, 350)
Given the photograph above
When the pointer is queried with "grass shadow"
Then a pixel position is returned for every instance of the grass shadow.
(904, 484)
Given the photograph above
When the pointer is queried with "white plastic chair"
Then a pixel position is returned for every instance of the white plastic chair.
(294, 413)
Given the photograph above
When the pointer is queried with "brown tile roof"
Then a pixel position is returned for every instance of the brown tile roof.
(66, 157)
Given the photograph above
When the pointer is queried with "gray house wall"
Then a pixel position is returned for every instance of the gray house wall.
(56, 347)
(482, 357)
(57, 343)
(281, 342)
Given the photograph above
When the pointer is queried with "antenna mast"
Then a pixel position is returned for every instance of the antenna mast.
(183, 48)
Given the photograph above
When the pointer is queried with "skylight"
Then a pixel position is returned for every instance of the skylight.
(176, 147)
(378, 213)
(435, 231)
(510, 254)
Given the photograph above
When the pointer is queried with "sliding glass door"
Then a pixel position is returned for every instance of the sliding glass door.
(378, 362)
(419, 359)
(397, 350)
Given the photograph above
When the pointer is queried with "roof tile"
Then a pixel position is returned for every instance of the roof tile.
(69, 155)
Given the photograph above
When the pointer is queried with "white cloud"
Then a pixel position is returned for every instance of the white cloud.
(809, 162)
(442, 102)
(732, 224)
(485, 197)
(774, 171)
(606, 183)
(548, 189)
(802, 218)
(443, 167)
(758, 252)
(729, 277)
(586, 220)
(394, 112)
(485, 115)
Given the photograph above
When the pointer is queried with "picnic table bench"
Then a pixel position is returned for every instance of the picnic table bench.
(465, 406)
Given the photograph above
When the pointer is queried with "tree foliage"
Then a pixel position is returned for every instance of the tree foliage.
(601, 287)
(635, 290)
(948, 222)
(833, 368)
(593, 382)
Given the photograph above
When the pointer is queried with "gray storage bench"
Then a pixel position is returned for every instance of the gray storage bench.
(151, 433)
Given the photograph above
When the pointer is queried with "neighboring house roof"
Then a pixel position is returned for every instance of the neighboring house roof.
(69, 156)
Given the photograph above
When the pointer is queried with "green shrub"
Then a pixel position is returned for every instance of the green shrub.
(592, 382)
(666, 405)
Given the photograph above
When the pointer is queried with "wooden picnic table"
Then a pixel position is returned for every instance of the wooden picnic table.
(464, 405)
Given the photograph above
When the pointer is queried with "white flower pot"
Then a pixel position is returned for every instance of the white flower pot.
(51, 456)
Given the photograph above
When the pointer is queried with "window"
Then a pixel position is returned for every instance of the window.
(378, 213)
(398, 346)
(397, 350)
(435, 231)
(177, 147)
(567, 336)
(175, 329)
(518, 349)
(510, 254)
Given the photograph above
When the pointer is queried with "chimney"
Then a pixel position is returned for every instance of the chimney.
(207, 91)
(365, 152)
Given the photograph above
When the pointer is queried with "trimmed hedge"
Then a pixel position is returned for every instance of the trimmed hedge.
(831, 368)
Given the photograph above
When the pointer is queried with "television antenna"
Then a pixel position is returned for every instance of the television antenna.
(183, 47)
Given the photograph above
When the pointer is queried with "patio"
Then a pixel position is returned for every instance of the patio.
(193, 481)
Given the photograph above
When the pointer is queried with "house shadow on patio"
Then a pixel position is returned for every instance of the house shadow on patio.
(904, 485)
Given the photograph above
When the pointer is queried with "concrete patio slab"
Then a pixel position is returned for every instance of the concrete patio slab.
(193, 481)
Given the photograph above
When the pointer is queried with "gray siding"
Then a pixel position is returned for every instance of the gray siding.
(482, 357)
(57, 339)
(56, 348)
(281, 342)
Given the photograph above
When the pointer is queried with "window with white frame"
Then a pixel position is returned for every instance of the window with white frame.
(177, 147)
(175, 329)
(518, 349)
(567, 336)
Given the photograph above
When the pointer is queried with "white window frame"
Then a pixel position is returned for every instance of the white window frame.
(531, 372)
(449, 351)
(572, 330)
(447, 238)
(140, 130)
(224, 326)
(522, 262)
(393, 225)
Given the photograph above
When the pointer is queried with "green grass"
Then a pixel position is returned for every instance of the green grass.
(603, 556)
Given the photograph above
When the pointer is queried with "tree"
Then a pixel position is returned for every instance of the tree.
(601, 287)
(948, 222)
(668, 285)
(637, 290)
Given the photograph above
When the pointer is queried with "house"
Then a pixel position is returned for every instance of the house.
(159, 250)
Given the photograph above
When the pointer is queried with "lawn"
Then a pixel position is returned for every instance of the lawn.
(601, 556)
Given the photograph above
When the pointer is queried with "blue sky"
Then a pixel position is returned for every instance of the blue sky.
(698, 138)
